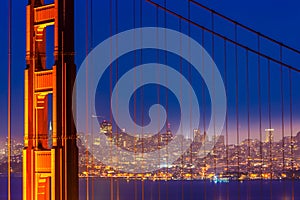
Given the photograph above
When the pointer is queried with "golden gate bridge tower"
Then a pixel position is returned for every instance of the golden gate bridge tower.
(49, 172)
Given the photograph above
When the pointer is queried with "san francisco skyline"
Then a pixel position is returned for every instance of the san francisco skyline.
(160, 69)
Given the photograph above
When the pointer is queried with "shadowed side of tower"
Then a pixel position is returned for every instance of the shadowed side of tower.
(49, 172)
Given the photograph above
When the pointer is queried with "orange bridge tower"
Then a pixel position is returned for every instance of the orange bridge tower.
(50, 161)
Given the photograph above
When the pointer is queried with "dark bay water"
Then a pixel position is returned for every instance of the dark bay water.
(175, 190)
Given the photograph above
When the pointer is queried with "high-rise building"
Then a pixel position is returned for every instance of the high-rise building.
(298, 137)
(219, 140)
(269, 135)
(166, 137)
(106, 127)
(197, 135)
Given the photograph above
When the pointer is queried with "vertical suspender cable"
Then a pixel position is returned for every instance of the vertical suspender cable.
(259, 110)
(226, 119)
(282, 119)
(93, 164)
(191, 108)
(237, 107)
(167, 99)
(181, 129)
(91, 46)
(9, 100)
(270, 126)
(142, 95)
(203, 85)
(135, 102)
(117, 76)
(117, 90)
(189, 78)
(87, 100)
(213, 97)
(110, 91)
(248, 122)
(204, 112)
(269, 98)
(135, 98)
(158, 95)
(292, 139)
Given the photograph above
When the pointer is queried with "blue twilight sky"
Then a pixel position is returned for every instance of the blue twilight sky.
(277, 19)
